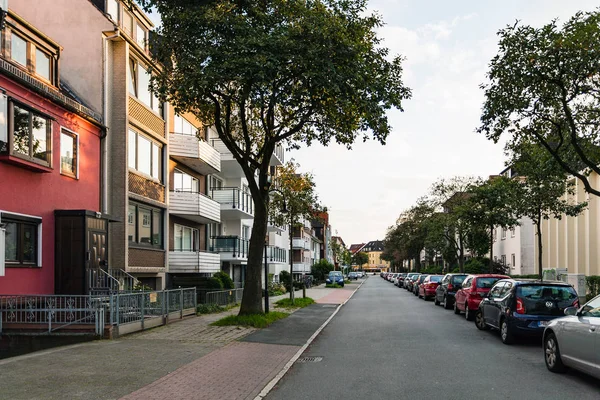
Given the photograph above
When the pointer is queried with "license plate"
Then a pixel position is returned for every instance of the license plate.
(543, 323)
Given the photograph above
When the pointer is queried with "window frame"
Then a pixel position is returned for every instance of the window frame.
(75, 137)
(514, 260)
(22, 220)
(10, 110)
(135, 68)
(181, 189)
(194, 235)
(153, 144)
(32, 46)
(115, 2)
(152, 221)
(503, 234)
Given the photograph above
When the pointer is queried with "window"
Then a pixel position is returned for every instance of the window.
(68, 153)
(215, 183)
(503, 259)
(494, 234)
(42, 64)
(21, 241)
(184, 127)
(503, 234)
(140, 36)
(497, 289)
(30, 132)
(18, 49)
(112, 9)
(512, 232)
(144, 225)
(513, 260)
(183, 182)
(139, 85)
(128, 23)
(144, 155)
(186, 238)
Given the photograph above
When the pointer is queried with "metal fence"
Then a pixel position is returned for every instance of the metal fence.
(224, 297)
(53, 311)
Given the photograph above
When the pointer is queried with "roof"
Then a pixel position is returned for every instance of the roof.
(354, 248)
(374, 245)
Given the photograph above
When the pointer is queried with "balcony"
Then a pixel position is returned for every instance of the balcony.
(277, 157)
(194, 153)
(194, 206)
(300, 243)
(300, 267)
(272, 227)
(230, 248)
(194, 262)
(235, 203)
(230, 168)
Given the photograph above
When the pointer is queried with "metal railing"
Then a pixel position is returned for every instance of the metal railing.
(54, 311)
(101, 282)
(224, 297)
(230, 244)
(235, 197)
(276, 254)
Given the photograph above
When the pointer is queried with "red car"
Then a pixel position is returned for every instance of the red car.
(427, 288)
(474, 288)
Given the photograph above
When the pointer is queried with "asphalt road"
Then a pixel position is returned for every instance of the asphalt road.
(386, 343)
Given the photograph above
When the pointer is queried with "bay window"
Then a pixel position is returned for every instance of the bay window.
(144, 155)
(144, 225)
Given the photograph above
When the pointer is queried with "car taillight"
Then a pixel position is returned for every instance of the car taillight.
(450, 287)
(520, 306)
(576, 303)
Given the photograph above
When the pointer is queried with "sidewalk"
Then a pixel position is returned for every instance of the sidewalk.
(184, 360)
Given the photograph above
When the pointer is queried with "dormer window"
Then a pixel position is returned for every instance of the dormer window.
(42, 64)
(29, 53)
(18, 49)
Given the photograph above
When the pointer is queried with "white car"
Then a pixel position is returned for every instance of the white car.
(574, 341)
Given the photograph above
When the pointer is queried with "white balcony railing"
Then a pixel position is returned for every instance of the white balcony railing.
(194, 262)
(195, 153)
(195, 206)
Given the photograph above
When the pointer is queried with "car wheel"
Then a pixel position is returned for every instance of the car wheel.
(505, 333)
(456, 310)
(552, 354)
(468, 313)
(446, 305)
(436, 301)
(480, 322)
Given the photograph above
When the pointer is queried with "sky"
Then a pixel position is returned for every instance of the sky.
(448, 46)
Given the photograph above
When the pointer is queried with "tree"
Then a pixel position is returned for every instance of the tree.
(545, 89)
(263, 73)
(321, 269)
(491, 205)
(544, 189)
(295, 193)
(341, 255)
(360, 258)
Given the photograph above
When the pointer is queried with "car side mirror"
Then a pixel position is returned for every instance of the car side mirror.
(569, 311)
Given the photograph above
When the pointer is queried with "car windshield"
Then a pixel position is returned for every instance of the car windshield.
(435, 279)
(546, 299)
(458, 279)
(336, 274)
(486, 283)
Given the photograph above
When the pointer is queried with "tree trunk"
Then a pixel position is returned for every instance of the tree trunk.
(252, 298)
(491, 263)
(291, 257)
(538, 225)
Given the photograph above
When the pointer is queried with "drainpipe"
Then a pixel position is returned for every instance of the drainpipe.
(103, 145)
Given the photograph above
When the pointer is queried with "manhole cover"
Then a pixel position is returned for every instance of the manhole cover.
(310, 359)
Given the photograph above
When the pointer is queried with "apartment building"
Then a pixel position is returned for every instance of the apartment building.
(322, 230)
(107, 64)
(52, 230)
(374, 249)
(306, 248)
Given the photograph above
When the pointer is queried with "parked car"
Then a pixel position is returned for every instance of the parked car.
(474, 288)
(524, 307)
(417, 283)
(447, 289)
(569, 341)
(353, 275)
(408, 282)
(400, 279)
(427, 288)
(335, 277)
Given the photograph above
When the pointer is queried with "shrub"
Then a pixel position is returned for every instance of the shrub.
(276, 289)
(225, 279)
(531, 276)
(209, 309)
(321, 269)
(432, 269)
(475, 266)
(593, 285)
(214, 283)
(333, 285)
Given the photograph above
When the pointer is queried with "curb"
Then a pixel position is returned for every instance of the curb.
(289, 364)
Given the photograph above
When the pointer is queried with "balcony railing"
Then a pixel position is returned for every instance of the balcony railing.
(234, 198)
(196, 206)
(276, 254)
(194, 261)
(230, 244)
(195, 153)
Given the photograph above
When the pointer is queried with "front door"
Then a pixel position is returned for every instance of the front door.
(97, 254)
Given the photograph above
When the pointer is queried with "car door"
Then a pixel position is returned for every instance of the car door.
(579, 338)
(463, 293)
(439, 291)
(491, 310)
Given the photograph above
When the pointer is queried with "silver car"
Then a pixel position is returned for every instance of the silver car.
(573, 341)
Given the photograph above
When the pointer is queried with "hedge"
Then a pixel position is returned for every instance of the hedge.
(593, 285)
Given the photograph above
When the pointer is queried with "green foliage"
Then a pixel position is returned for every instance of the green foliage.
(142, 287)
(225, 280)
(475, 266)
(333, 286)
(276, 289)
(320, 270)
(360, 258)
(214, 283)
(209, 309)
(593, 286)
(252, 320)
(543, 89)
(298, 303)
(531, 276)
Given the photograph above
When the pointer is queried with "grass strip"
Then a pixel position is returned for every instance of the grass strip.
(253, 320)
(298, 303)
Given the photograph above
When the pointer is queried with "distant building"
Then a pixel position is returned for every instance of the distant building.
(374, 249)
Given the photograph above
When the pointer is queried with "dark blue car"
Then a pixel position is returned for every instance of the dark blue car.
(335, 277)
(523, 307)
